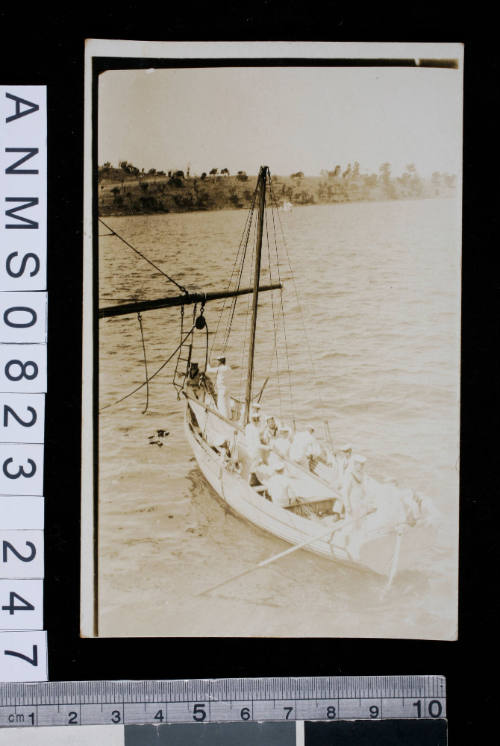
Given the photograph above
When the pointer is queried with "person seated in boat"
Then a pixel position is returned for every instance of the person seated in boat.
(255, 408)
(265, 466)
(317, 457)
(326, 467)
(305, 447)
(278, 487)
(222, 380)
(270, 431)
(229, 456)
(280, 446)
(252, 441)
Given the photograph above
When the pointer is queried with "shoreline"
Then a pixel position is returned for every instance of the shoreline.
(153, 194)
(124, 213)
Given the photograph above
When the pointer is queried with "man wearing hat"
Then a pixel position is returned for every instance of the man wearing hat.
(343, 457)
(354, 488)
(252, 440)
(194, 378)
(270, 431)
(223, 372)
(281, 444)
(278, 486)
(354, 493)
(305, 447)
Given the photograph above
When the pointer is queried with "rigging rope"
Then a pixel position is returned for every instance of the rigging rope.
(290, 387)
(241, 244)
(139, 317)
(114, 233)
(234, 299)
(232, 302)
(275, 351)
(138, 388)
(301, 314)
(244, 352)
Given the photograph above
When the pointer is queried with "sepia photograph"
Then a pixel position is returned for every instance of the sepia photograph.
(272, 344)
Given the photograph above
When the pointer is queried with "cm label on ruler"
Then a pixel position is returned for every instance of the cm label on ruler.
(23, 379)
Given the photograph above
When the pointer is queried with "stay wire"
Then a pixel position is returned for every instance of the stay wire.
(243, 367)
(242, 243)
(139, 253)
(234, 300)
(139, 317)
(275, 351)
(290, 387)
(301, 314)
(145, 383)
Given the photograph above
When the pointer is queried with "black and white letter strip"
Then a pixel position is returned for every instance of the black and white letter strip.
(23, 379)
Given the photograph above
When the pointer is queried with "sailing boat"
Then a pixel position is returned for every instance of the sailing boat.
(331, 508)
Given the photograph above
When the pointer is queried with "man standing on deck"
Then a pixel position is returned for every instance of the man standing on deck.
(282, 443)
(223, 372)
(354, 488)
(305, 447)
(278, 487)
(252, 442)
(343, 457)
(193, 380)
(354, 493)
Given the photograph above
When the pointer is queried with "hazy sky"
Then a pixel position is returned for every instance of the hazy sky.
(290, 119)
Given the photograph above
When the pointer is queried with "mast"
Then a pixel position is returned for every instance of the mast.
(256, 279)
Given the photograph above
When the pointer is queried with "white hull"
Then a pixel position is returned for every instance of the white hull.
(246, 502)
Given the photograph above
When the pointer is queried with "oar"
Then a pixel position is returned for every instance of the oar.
(331, 530)
(394, 564)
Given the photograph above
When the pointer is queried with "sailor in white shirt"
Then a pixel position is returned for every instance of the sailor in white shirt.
(252, 438)
(278, 487)
(354, 490)
(223, 372)
(343, 457)
(304, 446)
(280, 445)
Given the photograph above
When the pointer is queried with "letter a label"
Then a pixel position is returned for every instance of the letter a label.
(23, 187)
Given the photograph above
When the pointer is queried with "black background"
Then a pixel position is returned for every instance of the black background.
(47, 47)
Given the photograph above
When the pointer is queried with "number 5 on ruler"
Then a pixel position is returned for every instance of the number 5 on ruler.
(23, 656)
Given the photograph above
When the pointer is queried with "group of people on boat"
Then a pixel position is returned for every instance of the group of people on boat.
(271, 447)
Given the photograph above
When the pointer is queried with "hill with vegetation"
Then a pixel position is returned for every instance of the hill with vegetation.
(127, 190)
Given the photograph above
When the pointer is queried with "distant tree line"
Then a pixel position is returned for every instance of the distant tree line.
(127, 189)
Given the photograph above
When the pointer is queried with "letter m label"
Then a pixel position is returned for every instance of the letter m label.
(24, 222)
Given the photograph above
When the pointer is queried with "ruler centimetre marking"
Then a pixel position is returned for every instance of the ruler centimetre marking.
(222, 700)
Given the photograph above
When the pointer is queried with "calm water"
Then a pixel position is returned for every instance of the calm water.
(378, 285)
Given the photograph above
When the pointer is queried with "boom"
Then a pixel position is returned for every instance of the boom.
(177, 300)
